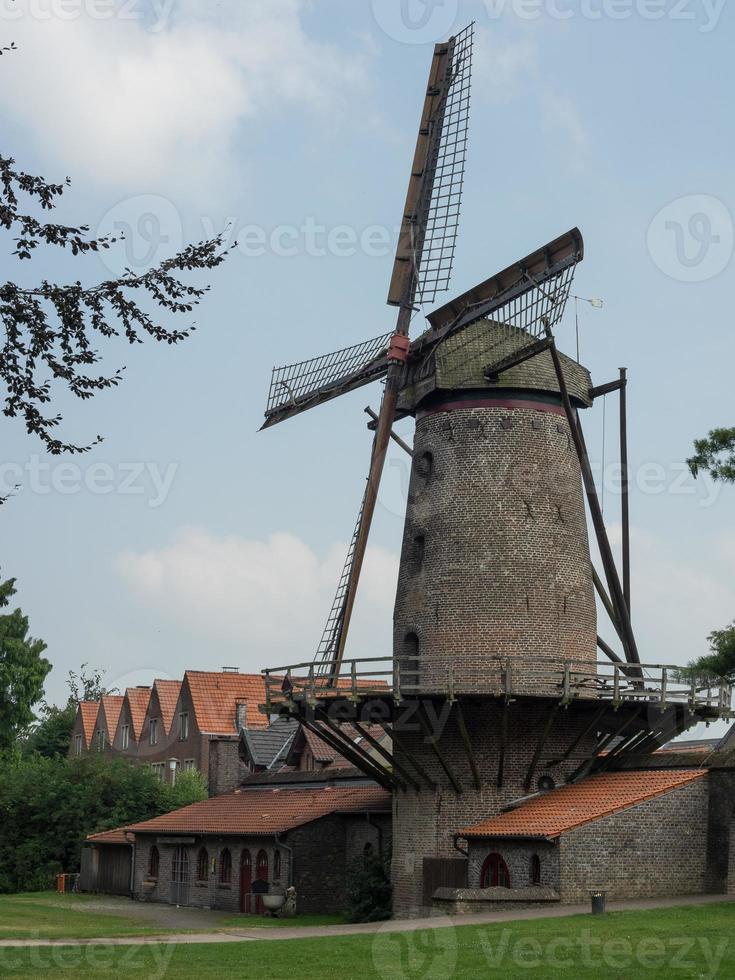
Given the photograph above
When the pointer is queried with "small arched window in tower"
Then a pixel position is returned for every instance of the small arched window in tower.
(367, 851)
(225, 867)
(202, 864)
(154, 861)
(423, 463)
(409, 663)
(494, 873)
(276, 865)
(535, 869)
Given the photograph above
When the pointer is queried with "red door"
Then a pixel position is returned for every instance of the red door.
(261, 874)
(246, 880)
(494, 873)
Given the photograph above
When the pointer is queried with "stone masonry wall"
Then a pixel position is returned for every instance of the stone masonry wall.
(657, 848)
(517, 856)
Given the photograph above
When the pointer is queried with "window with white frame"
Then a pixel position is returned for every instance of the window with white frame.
(101, 738)
(159, 768)
(153, 731)
(183, 725)
(78, 744)
(189, 764)
(125, 737)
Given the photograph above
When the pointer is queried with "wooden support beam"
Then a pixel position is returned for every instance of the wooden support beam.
(331, 734)
(606, 602)
(467, 744)
(396, 438)
(540, 744)
(608, 651)
(598, 521)
(390, 759)
(432, 740)
(398, 740)
(596, 719)
(503, 741)
(606, 389)
(512, 360)
(586, 766)
(624, 494)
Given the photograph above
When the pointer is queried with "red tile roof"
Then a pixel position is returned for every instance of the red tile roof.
(266, 811)
(88, 711)
(137, 698)
(168, 696)
(214, 696)
(572, 806)
(110, 706)
(117, 836)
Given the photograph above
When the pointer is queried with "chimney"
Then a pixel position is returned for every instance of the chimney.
(241, 715)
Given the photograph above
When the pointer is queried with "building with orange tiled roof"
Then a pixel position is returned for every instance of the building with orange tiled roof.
(132, 717)
(105, 726)
(628, 833)
(82, 733)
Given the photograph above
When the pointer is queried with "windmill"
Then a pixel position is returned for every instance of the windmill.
(529, 297)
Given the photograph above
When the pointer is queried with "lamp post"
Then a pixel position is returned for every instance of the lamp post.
(595, 302)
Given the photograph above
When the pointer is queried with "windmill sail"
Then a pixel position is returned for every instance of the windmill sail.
(296, 387)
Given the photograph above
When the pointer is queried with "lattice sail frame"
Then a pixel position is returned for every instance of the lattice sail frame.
(295, 387)
(435, 243)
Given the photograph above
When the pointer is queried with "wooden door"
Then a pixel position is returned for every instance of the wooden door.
(180, 877)
(246, 880)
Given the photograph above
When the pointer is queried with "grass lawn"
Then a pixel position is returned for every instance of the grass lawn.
(46, 915)
(668, 943)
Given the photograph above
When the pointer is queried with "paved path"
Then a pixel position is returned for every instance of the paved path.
(239, 935)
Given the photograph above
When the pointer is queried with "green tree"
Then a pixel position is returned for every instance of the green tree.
(52, 734)
(369, 892)
(715, 455)
(23, 670)
(719, 662)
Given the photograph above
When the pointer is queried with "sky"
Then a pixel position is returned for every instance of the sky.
(188, 539)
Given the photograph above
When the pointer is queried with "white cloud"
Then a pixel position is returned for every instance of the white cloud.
(116, 101)
(271, 597)
(501, 66)
(564, 121)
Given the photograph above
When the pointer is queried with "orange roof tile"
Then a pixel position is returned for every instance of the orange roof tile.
(137, 698)
(572, 806)
(111, 706)
(266, 811)
(214, 696)
(168, 696)
(117, 836)
(88, 711)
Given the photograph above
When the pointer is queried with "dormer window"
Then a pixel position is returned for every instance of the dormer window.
(153, 732)
(183, 726)
(77, 744)
(125, 737)
(101, 738)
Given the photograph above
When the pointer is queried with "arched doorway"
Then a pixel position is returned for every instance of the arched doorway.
(180, 877)
(261, 873)
(494, 873)
(246, 880)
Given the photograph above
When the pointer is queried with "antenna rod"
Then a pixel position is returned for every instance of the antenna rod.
(624, 485)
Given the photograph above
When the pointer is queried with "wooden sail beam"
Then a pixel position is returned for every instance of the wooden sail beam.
(464, 734)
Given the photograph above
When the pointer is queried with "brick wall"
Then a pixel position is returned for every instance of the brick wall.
(425, 822)
(517, 856)
(656, 848)
(495, 557)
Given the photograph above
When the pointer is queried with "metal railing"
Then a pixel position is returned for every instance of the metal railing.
(409, 677)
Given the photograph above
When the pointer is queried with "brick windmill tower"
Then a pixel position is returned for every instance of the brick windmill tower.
(494, 690)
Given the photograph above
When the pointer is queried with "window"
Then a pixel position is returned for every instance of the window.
(276, 865)
(202, 864)
(153, 862)
(183, 725)
(189, 764)
(494, 873)
(424, 464)
(101, 739)
(153, 731)
(159, 768)
(125, 737)
(77, 744)
(409, 662)
(225, 867)
(535, 869)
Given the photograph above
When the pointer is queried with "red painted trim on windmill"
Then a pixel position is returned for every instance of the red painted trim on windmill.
(518, 403)
(398, 347)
